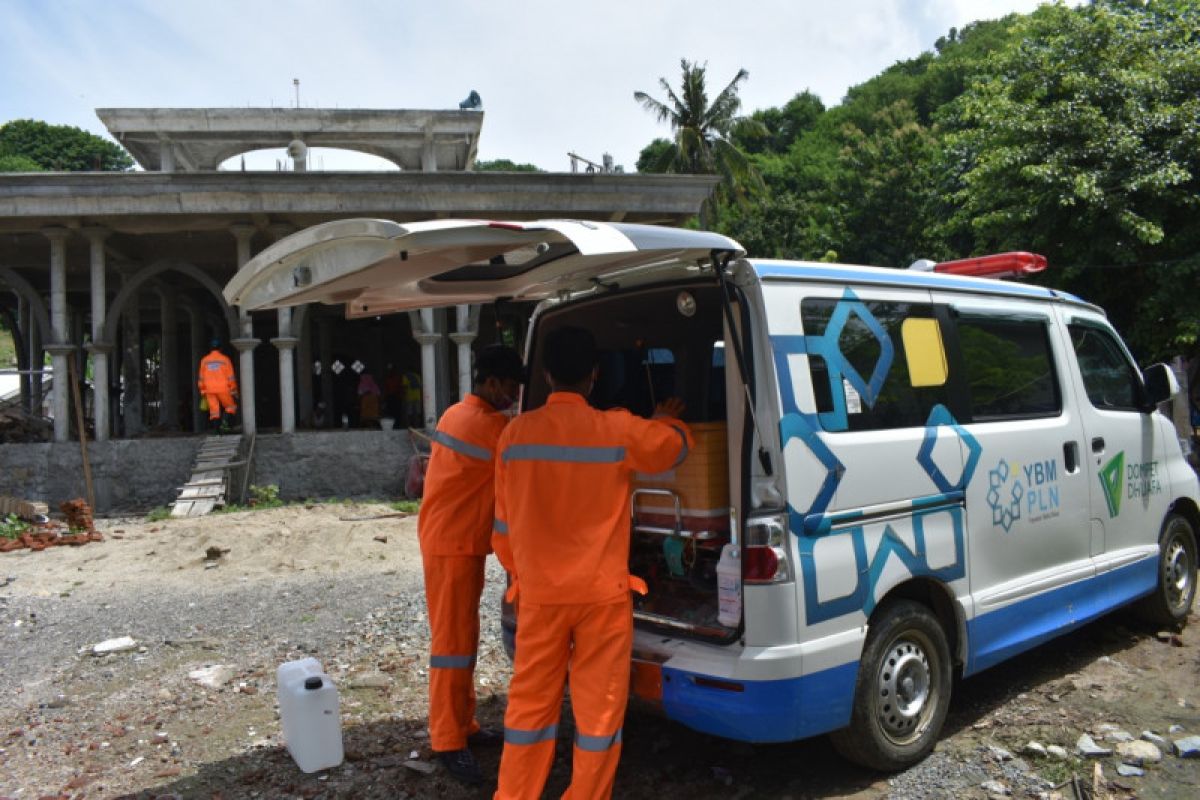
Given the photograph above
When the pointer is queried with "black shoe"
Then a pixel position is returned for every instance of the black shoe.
(486, 737)
(462, 766)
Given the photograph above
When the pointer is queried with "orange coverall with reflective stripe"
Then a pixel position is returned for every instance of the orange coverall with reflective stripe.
(218, 383)
(454, 527)
(562, 531)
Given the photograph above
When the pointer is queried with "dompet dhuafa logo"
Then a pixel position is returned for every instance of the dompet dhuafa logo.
(1110, 481)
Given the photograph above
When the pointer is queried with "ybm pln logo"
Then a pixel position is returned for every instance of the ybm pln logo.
(1029, 490)
(1140, 480)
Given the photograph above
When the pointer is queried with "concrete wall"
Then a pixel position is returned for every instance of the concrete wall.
(140, 474)
(321, 464)
(129, 474)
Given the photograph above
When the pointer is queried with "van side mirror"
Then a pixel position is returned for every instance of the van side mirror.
(1160, 384)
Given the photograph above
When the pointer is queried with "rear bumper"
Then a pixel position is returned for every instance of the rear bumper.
(761, 710)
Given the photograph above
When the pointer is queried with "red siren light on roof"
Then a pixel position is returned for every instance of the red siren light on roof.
(1000, 265)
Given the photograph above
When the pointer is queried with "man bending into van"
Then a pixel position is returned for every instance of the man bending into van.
(454, 528)
(562, 532)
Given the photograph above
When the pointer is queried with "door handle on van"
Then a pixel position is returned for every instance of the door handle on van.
(1098, 444)
(1071, 457)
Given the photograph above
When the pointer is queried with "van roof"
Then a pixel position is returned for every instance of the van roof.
(768, 269)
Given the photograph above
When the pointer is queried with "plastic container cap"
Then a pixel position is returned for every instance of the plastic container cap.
(314, 682)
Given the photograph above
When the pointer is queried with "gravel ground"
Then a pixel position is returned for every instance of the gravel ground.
(133, 724)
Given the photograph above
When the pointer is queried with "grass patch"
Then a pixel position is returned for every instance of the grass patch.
(408, 506)
(158, 514)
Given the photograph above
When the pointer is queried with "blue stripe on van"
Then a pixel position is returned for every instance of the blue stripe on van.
(765, 711)
(997, 635)
(898, 277)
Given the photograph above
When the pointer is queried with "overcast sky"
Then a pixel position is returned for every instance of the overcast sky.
(555, 75)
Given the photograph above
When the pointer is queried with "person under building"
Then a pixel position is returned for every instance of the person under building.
(219, 388)
(368, 399)
(454, 528)
(562, 532)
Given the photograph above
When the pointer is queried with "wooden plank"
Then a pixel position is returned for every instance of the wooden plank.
(206, 482)
(202, 507)
(187, 492)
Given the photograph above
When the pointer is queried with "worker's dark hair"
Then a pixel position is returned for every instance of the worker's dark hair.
(498, 361)
(214, 343)
(570, 354)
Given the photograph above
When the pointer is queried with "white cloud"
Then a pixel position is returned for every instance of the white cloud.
(554, 76)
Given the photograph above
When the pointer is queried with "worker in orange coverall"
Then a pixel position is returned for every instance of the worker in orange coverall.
(218, 385)
(454, 527)
(562, 532)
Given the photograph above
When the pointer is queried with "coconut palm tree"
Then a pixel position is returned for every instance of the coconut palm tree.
(703, 133)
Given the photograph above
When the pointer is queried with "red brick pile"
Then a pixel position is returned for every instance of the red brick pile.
(79, 529)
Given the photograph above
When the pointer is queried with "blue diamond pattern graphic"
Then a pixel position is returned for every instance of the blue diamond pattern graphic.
(941, 418)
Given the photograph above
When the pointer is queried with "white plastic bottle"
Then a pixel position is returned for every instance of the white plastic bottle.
(310, 714)
(729, 586)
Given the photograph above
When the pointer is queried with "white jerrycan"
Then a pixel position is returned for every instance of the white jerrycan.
(310, 714)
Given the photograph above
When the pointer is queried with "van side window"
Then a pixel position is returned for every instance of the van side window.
(1008, 367)
(867, 387)
(1111, 381)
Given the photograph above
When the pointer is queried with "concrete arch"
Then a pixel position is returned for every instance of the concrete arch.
(383, 153)
(37, 306)
(143, 275)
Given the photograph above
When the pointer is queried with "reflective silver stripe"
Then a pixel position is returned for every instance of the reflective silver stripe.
(516, 736)
(452, 662)
(500, 526)
(597, 744)
(683, 453)
(459, 446)
(573, 455)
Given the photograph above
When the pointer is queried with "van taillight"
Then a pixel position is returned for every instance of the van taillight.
(765, 559)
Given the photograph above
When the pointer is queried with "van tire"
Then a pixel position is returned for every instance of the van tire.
(882, 735)
(1171, 601)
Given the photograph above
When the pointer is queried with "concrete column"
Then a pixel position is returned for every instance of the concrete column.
(426, 334)
(99, 348)
(21, 343)
(166, 152)
(196, 352)
(286, 344)
(168, 368)
(245, 343)
(325, 351)
(36, 362)
(60, 348)
(131, 368)
(466, 324)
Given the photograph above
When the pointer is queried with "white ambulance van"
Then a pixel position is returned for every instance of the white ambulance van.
(911, 474)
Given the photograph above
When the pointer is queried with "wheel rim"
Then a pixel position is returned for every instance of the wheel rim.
(906, 687)
(1178, 572)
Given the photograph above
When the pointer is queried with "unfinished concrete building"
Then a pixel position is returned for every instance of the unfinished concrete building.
(123, 272)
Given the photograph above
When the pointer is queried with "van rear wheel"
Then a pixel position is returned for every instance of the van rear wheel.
(1175, 591)
(902, 692)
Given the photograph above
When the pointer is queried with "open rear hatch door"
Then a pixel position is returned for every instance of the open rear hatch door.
(375, 266)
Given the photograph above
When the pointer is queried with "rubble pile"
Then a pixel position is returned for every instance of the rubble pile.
(18, 427)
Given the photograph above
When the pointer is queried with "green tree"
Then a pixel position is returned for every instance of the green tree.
(10, 163)
(503, 165)
(780, 127)
(1081, 143)
(61, 148)
(703, 133)
(654, 156)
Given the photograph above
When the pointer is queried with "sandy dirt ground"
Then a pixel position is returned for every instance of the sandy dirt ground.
(342, 583)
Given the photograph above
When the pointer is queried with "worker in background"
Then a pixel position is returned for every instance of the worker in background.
(562, 532)
(218, 385)
(454, 527)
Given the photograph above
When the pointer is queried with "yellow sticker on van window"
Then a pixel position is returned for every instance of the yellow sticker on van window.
(924, 351)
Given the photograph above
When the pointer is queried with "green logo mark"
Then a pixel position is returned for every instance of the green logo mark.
(1110, 481)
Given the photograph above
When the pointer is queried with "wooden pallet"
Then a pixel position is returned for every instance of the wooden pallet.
(209, 485)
